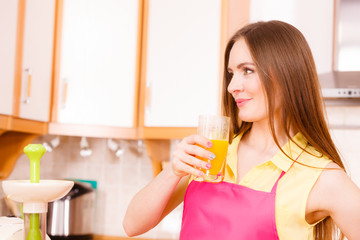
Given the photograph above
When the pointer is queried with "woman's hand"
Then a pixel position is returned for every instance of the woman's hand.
(184, 157)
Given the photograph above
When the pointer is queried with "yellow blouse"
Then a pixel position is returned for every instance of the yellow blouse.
(293, 188)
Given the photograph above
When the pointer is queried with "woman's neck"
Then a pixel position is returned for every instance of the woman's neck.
(260, 137)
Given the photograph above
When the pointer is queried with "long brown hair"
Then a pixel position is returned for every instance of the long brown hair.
(284, 61)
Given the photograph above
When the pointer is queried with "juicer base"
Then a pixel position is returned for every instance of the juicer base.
(73, 237)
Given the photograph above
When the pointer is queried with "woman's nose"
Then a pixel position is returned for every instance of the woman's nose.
(235, 84)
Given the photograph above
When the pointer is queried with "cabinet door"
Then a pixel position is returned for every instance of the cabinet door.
(313, 18)
(8, 24)
(98, 62)
(37, 59)
(182, 61)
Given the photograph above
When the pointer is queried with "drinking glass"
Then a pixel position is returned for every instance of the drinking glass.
(216, 129)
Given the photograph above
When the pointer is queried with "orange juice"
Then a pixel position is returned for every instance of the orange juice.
(219, 148)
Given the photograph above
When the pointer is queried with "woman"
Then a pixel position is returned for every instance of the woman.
(284, 178)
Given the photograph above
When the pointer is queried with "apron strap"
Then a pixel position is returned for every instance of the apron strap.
(273, 190)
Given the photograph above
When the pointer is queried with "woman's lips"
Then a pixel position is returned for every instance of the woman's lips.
(242, 101)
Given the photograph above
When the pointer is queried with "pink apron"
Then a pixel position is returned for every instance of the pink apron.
(227, 211)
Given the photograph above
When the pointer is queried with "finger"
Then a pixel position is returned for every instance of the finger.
(198, 151)
(194, 161)
(189, 169)
(198, 139)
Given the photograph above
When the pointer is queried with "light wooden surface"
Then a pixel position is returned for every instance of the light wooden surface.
(5, 122)
(92, 131)
(167, 132)
(11, 123)
(19, 57)
(139, 62)
(56, 60)
(29, 126)
(141, 68)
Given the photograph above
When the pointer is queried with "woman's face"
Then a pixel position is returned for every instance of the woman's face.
(245, 85)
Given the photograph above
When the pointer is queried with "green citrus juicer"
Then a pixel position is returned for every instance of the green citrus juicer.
(34, 153)
(35, 194)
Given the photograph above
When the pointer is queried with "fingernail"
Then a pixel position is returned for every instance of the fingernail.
(212, 156)
(201, 174)
(209, 144)
(208, 165)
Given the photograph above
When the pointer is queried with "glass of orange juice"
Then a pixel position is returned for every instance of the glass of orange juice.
(216, 128)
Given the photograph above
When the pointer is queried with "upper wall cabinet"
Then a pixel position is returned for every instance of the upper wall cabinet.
(8, 23)
(26, 54)
(313, 18)
(36, 60)
(96, 61)
(182, 60)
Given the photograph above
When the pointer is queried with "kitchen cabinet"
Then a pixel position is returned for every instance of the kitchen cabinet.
(96, 67)
(137, 69)
(181, 69)
(8, 23)
(36, 52)
(182, 61)
(315, 22)
(26, 48)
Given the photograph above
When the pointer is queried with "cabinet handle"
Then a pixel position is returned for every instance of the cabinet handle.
(28, 71)
(65, 90)
(148, 98)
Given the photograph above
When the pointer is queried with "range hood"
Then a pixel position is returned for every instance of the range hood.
(340, 85)
(344, 82)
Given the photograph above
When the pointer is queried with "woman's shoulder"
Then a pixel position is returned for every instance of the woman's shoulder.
(336, 195)
(312, 157)
(332, 181)
(332, 176)
(332, 185)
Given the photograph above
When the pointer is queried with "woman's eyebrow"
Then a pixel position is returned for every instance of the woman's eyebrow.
(239, 66)
(243, 64)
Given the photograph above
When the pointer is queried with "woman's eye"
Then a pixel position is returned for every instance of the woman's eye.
(247, 71)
